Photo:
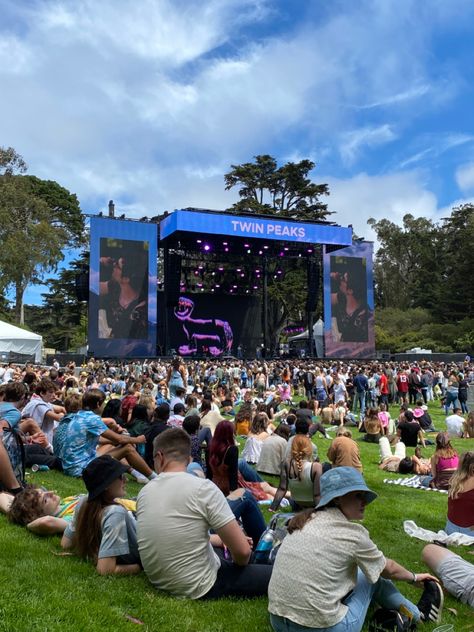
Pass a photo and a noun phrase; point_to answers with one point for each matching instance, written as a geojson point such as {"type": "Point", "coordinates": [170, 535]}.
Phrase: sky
{"type": "Point", "coordinates": [148, 103]}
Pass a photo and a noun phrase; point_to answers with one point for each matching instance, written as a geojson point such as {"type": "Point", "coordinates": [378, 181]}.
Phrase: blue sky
{"type": "Point", "coordinates": [149, 102]}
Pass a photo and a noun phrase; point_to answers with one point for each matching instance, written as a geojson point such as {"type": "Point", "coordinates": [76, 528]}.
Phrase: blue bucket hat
{"type": "Point", "coordinates": [341, 481]}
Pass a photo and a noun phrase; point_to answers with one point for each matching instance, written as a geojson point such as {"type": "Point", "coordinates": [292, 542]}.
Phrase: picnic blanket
{"type": "Point", "coordinates": [455, 539]}
{"type": "Point", "coordinates": [414, 482]}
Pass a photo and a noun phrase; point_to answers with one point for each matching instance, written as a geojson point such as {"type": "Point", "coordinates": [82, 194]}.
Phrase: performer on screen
{"type": "Point", "coordinates": [349, 301]}
{"type": "Point", "coordinates": [123, 298]}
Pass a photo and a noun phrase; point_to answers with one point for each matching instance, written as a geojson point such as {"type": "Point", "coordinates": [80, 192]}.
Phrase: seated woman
{"type": "Point", "coordinates": [299, 475]}
{"type": "Point", "coordinates": [373, 426]}
{"type": "Point", "coordinates": [388, 427]}
{"type": "Point", "coordinates": [229, 472]}
{"type": "Point", "coordinates": [328, 571]}
{"type": "Point", "coordinates": [259, 432]}
{"type": "Point", "coordinates": [443, 463]}
{"type": "Point", "coordinates": [461, 497]}
{"type": "Point", "coordinates": [102, 530]}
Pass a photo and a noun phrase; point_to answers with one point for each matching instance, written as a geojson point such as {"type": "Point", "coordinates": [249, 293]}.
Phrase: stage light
{"type": "Point", "coordinates": [224, 243]}
{"type": "Point", "coordinates": [255, 287]}
{"type": "Point", "coordinates": [217, 285]}
{"type": "Point", "coordinates": [282, 254]}
{"type": "Point", "coordinates": [286, 248]}
{"type": "Point", "coordinates": [279, 272]}
{"type": "Point", "coordinates": [260, 252]}
{"type": "Point", "coordinates": [226, 250]}
{"type": "Point", "coordinates": [246, 245]}
{"type": "Point", "coordinates": [199, 241]}
{"type": "Point", "coordinates": [249, 251]}
{"type": "Point", "coordinates": [199, 284]}
{"type": "Point", "coordinates": [221, 269]}
{"type": "Point", "coordinates": [207, 247]}
{"type": "Point", "coordinates": [265, 247]}
{"type": "Point", "coordinates": [242, 275]}
{"type": "Point", "coordinates": [310, 250]}
{"type": "Point", "coordinates": [239, 269]}
{"type": "Point", "coordinates": [235, 287]}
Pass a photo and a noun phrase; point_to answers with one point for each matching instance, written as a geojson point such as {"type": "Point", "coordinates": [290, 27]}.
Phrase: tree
{"type": "Point", "coordinates": [286, 191]}
{"type": "Point", "coordinates": [39, 219]}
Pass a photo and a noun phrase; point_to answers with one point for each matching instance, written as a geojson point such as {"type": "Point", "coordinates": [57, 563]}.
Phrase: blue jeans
{"type": "Point", "coordinates": [452, 528]}
{"type": "Point", "coordinates": [359, 400]}
{"type": "Point", "coordinates": [464, 407]}
{"type": "Point", "coordinates": [246, 508]}
{"type": "Point", "coordinates": [383, 592]}
{"type": "Point", "coordinates": [451, 398]}
{"type": "Point", "coordinates": [248, 472]}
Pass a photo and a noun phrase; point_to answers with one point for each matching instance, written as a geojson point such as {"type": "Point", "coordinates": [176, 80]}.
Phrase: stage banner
{"type": "Point", "coordinates": [122, 288]}
{"type": "Point", "coordinates": [349, 302]}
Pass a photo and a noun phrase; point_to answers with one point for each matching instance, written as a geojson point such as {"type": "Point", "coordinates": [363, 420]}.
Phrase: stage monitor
{"type": "Point", "coordinates": [122, 288]}
{"type": "Point", "coordinates": [349, 302]}
{"type": "Point", "coordinates": [208, 324]}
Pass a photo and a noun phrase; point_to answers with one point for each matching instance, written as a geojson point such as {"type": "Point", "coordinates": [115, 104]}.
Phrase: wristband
{"type": "Point", "coordinates": [414, 580]}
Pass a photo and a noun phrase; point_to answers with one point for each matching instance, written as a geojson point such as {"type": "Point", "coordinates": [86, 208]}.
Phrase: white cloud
{"type": "Point", "coordinates": [465, 177]}
{"type": "Point", "coordinates": [407, 95]}
{"type": "Point", "coordinates": [354, 141]}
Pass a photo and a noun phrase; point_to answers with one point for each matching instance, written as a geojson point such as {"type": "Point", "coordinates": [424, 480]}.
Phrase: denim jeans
{"type": "Point", "coordinates": [451, 398]}
{"type": "Point", "coordinates": [464, 407]}
{"type": "Point", "coordinates": [246, 508]}
{"type": "Point", "coordinates": [248, 472]}
{"type": "Point", "coordinates": [452, 528]}
{"type": "Point", "coordinates": [359, 402]}
{"type": "Point", "coordinates": [383, 592]}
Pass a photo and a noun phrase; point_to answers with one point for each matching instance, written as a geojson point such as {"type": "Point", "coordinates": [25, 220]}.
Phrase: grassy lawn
{"type": "Point", "coordinates": [41, 591]}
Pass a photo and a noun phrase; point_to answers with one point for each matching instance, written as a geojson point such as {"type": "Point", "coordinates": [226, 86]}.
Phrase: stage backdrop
{"type": "Point", "coordinates": [349, 302]}
{"type": "Point", "coordinates": [213, 324]}
{"type": "Point", "coordinates": [122, 288]}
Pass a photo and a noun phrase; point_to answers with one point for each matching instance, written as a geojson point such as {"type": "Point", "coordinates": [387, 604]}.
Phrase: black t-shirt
{"type": "Point", "coordinates": [156, 428]}
{"type": "Point", "coordinates": [409, 433]}
{"type": "Point", "coordinates": [425, 421]}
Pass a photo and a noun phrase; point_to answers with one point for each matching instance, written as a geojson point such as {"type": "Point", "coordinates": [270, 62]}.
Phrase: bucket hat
{"type": "Point", "coordinates": [100, 473]}
{"type": "Point", "coordinates": [341, 481]}
{"type": "Point", "coordinates": [418, 412]}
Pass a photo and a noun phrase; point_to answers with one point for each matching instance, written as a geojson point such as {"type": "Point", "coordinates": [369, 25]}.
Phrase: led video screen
{"type": "Point", "coordinates": [349, 302]}
{"type": "Point", "coordinates": [122, 298]}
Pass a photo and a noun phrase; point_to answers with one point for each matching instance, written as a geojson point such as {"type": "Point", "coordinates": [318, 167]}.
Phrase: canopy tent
{"type": "Point", "coordinates": [14, 340]}
{"type": "Point", "coordinates": [318, 337]}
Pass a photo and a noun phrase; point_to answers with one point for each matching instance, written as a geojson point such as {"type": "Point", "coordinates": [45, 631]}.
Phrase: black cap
{"type": "Point", "coordinates": [100, 473]}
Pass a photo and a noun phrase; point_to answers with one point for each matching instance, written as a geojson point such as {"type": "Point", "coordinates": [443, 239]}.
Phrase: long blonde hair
{"type": "Point", "coordinates": [301, 450]}
{"type": "Point", "coordinates": [464, 472]}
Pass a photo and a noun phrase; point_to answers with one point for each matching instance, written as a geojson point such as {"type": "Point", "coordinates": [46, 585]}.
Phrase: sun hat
{"type": "Point", "coordinates": [100, 473]}
{"type": "Point", "coordinates": [340, 481]}
{"type": "Point", "coordinates": [418, 412]}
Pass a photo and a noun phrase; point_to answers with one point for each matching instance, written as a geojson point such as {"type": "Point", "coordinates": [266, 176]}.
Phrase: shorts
{"type": "Point", "coordinates": [457, 576]}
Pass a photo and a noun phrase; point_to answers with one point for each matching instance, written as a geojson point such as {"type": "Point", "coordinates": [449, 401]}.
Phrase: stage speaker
{"type": "Point", "coordinates": [81, 284]}
{"type": "Point", "coordinates": [313, 285]}
{"type": "Point", "coordinates": [173, 279]}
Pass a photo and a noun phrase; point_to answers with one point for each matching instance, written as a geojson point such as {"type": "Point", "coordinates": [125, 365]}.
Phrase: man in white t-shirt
{"type": "Point", "coordinates": [454, 423]}
{"type": "Point", "coordinates": [175, 514]}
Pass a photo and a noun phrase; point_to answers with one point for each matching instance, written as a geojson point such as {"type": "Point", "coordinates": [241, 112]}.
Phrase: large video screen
{"type": "Point", "coordinates": [122, 300]}
{"type": "Point", "coordinates": [349, 302]}
{"type": "Point", "coordinates": [206, 324]}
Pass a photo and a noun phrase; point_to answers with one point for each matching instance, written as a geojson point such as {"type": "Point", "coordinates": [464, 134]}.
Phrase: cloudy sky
{"type": "Point", "coordinates": [149, 102]}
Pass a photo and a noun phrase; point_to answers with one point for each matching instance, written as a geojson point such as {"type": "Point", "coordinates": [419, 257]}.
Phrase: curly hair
{"type": "Point", "coordinates": [26, 506]}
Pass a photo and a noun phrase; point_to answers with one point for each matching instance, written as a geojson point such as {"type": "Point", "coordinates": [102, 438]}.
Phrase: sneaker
{"type": "Point", "coordinates": [431, 602]}
{"type": "Point", "coordinates": [390, 621]}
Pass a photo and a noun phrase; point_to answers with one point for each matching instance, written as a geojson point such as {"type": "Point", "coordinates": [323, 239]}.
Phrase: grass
{"type": "Point", "coordinates": [42, 591]}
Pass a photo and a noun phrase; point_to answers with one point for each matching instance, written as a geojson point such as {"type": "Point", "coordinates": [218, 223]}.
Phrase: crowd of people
{"type": "Point", "coordinates": [201, 436]}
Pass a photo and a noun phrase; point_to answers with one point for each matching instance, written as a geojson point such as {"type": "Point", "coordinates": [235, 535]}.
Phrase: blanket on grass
{"type": "Point", "coordinates": [414, 482]}
{"type": "Point", "coordinates": [455, 539]}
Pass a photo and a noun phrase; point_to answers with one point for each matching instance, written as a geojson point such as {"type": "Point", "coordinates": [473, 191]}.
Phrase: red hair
{"type": "Point", "coordinates": [222, 439]}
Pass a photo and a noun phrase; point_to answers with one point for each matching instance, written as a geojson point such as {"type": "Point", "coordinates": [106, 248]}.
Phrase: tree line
{"type": "Point", "coordinates": [424, 290]}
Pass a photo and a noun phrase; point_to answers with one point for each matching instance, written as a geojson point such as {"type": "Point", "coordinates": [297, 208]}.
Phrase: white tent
{"type": "Point", "coordinates": [318, 337]}
{"type": "Point", "coordinates": [16, 340]}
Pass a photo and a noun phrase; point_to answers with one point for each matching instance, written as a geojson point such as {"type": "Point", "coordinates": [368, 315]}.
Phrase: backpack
{"type": "Point", "coordinates": [13, 444]}
{"type": "Point", "coordinates": [271, 539]}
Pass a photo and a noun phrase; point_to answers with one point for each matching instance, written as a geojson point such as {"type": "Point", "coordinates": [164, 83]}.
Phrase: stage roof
{"type": "Point", "coordinates": [209, 230]}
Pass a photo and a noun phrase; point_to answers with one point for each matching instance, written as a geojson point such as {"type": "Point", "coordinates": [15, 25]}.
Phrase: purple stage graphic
{"type": "Point", "coordinates": [211, 335]}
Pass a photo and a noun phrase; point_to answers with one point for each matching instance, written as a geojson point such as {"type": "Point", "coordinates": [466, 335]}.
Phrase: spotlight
{"type": "Point", "coordinates": [224, 243]}
{"type": "Point", "coordinates": [207, 247]}
{"type": "Point", "coordinates": [265, 247]}
{"type": "Point", "coordinates": [199, 241]}
{"type": "Point", "coordinates": [246, 245]}
{"type": "Point", "coordinates": [226, 250]}
{"type": "Point", "coordinates": [249, 251]}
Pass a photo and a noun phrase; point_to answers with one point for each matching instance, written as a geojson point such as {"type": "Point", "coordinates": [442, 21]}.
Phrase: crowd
{"type": "Point", "coordinates": [197, 527]}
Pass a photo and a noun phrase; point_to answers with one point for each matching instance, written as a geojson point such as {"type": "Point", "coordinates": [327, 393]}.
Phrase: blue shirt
{"type": "Point", "coordinates": [80, 442]}
{"type": "Point", "coordinates": [361, 383]}
{"type": "Point", "coordinates": [10, 413]}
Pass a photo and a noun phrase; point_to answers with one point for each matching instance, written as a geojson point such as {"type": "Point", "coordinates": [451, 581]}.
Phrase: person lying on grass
{"type": "Point", "coordinates": [102, 530]}
{"type": "Point", "coordinates": [399, 462]}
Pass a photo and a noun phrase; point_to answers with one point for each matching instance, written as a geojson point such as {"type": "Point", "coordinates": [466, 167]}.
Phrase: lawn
{"type": "Point", "coordinates": [42, 591]}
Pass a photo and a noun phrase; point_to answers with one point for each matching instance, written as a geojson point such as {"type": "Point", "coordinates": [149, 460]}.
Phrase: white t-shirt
{"type": "Point", "coordinates": [454, 425]}
{"type": "Point", "coordinates": [316, 567]}
{"type": "Point", "coordinates": [175, 512]}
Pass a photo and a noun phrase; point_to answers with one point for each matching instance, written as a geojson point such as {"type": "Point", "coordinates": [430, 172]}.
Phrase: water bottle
{"type": "Point", "coordinates": [39, 468]}
{"type": "Point", "coordinates": [264, 546]}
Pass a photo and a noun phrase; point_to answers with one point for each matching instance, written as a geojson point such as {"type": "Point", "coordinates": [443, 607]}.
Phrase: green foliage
{"type": "Point", "coordinates": [286, 191]}
{"type": "Point", "coordinates": [39, 219]}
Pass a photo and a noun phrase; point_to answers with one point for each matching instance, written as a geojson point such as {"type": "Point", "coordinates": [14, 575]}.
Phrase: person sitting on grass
{"type": "Point", "coordinates": [175, 514]}
{"type": "Point", "coordinates": [260, 430]}
{"type": "Point", "coordinates": [409, 431]}
{"type": "Point", "coordinates": [85, 430]}
{"type": "Point", "coordinates": [273, 451]}
{"type": "Point", "coordinates": [344, 451]}
{"type": "Point", "coordinates": [443, 463]}
{"type": "Point", "coordinates": [299, 475]}
{"type": "Point", "coordinates": [328, 571]}
{"type": "Point", "coordinates": [101, 529]}
{"type": "Point", "coordinates": [388, 425]}
{"type": "Point", "coordinates": [461, 497]}
{"type": "Point", "coordinates": [373, 426]}
{"type": "Point", "coordinates": [42, 410]}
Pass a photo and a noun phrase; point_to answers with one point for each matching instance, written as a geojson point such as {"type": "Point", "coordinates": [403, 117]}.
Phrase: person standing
{"type": "Point", "coordinates": [361, 385]}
